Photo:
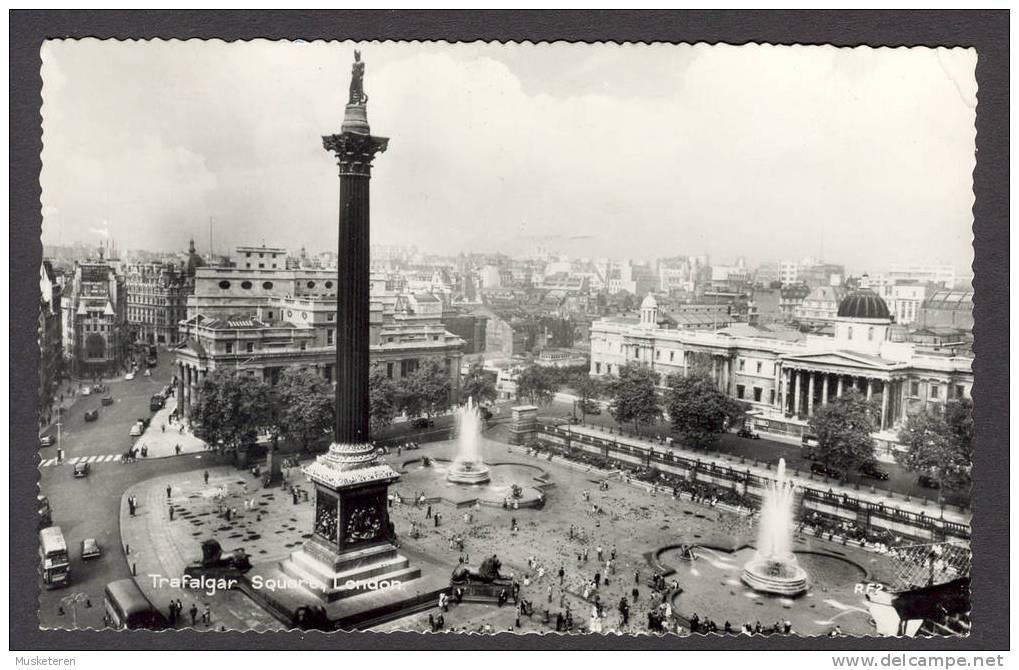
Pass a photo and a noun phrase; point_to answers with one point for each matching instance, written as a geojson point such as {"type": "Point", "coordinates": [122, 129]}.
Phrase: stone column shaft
{"type": "Point", "coordinates": [810, 393]}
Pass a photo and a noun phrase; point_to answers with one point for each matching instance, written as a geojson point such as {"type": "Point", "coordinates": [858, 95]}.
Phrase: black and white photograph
{"type": "Point", "coordinates": [629, 339]}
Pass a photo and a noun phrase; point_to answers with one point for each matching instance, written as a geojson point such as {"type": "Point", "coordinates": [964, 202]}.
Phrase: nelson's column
{"type": "Point", "coordinates": [352, 549]}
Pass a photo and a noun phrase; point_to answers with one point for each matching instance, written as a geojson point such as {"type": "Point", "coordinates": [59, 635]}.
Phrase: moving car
{"type": "Point", "coordinates": [136, 429]}
{"type": "Point", "coordinates": [90, 549]}
{"type": "Point", "coordinates": [92, 415]}
{"type": "Point", "coordinates": [156, 403]}
{"type": "Point", "coordinates": [928, 482]}
{"type": "Point", "coordinates": [107, 401]}
{"type": "Point", "coordinates": [129, 376]}
{"type": "Point", "coordinates": [47, 441]}
{"type": "Point", "coordinates": [872, 471]}
{"type": "Point", "coordinates": [81, 470]}
{"type": "Point", "coordinates": [86, 390]}
{"type": "Point", "coordinates": [127, 607]}
{"type": "Point", "coordinates": [422, 422]}
{"type": "Point", "coordinates": [825, 471]}
{"type": "Point", "coordinates": [748, 433]}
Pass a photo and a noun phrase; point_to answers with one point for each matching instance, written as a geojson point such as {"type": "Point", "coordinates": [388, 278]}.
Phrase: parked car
{"type": "Point", "coordinates": [47, 441]}
{"type": "Point", "coordinates": [92, 415]}
{"type": "Point", "coordinates": [156, 403]}
{"type": "Point", "coordinates": [129, 376]}
{"type": "Point", "coordinates": [136, 429]}
{"type": "Point", "coordinates": [422, 422]}
{"type": "Point", "coordinates": [90, 549]}
{"type": "Point", "coordinates": [107, 401]}
{"type": "Point", "coordinates": [748, 433]}
{"type": "Point", "coordinates": [81, 470]}
{"type": "Point", "coordinates": [928, 482]}
{"type": "Point", "coordinates": [825, 471]}
{"type": "Point", "coordinates": [872, 471]}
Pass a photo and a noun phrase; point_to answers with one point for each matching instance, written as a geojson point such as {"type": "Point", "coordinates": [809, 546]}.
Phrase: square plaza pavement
{"type": "Point", "coordinates": [632, 522]}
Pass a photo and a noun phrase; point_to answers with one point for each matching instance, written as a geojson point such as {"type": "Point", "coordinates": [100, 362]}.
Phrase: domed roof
{"type": "Point", "coordinates": [863, 304]}
{"type": "Point", "coordinates": [649, 302]}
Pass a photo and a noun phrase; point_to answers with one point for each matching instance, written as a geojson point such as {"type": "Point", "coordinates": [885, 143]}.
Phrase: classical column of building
{"type": "Point", "coordinates": [824, 389]}
{"type": "Point", "coordinates": [810, 393]}
{"type": "Point", "coordinates": [797, 375]}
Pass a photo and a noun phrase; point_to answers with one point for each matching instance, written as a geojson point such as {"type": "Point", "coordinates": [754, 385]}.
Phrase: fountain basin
{"type": "Point", "coordinates": [782, 578]}
{"type": "Point", "coordinates": [469, 473]}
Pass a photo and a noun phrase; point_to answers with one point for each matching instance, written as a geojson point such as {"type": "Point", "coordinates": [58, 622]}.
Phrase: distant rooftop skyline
{"type": "Point", "coordinates": [859, 156]}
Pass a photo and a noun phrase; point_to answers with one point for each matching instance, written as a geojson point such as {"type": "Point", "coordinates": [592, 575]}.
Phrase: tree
{"type": "Point", "coordinates": [537, 385]}
{"type": "Point", "coordinates": [231, 409]}
{"type": "Point", "coordinates": [939, 444]}
{"type": "Point", "coordinates": [425, 391]}
{"type": "Point", "coordinates": [382, 398]}
{"type": "Point", "coordinates": [306, 409]}
{"type": "Point", "coordinates": [843, 428]}
{"type": "Point", "coordinates": [634, 395]}
{"type": "Point", "coordinates": [699, 411]}
{"type": "Point", "coordinates": [588, 389]}
{"type": "Point", "coordinates": [479, 385]}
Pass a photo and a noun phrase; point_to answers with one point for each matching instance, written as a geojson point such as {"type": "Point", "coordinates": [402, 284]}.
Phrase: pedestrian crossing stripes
{"type": "Point", "coordinates": [106, 458]}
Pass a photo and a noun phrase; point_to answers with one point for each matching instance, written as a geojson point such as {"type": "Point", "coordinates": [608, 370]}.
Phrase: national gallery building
{"type": "Point", "coordinates": [785, 375]}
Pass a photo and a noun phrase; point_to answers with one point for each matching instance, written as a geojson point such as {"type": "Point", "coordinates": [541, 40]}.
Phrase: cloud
{"type": "Point", "coordinates": [768, 152]}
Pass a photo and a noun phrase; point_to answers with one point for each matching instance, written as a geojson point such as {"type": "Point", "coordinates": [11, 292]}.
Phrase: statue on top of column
{"type": "Point", "coordinates": [357, 94]}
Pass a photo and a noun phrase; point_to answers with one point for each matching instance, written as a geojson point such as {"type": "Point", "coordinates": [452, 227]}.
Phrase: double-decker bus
{"type": "Point", "coordinates": [56, 563]}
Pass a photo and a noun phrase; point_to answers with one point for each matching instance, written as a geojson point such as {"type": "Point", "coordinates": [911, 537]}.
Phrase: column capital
{"type": "Point", "coordinates": [355, 152]}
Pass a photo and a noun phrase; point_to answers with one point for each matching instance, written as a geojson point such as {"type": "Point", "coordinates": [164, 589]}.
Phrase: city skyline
{"type": "Point", "coordinates": [146, 171]}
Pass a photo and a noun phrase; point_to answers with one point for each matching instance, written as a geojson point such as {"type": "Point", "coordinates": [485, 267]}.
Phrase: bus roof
{"type": "Point", "coordinates": [128, 596]}
{"type": "Point", "coordinates": [52, 539]}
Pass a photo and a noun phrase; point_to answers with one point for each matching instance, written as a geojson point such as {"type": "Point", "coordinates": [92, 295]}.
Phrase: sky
{"type": "Point", "coordinates": [858, 156]}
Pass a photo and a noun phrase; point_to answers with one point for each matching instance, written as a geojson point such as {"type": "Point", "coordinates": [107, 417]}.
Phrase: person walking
{"type": "Point", "coordinates": [194, 614]}
{"type": "Point", "coordinates": [205, 476]}
{"type": "Point", "coordinates": [168, 491]}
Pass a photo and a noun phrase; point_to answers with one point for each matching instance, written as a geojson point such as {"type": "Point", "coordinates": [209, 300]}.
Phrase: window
{"type": "Point", "coordinates": [224, 284]}
{"type": "Point", "coordinates": [742, 364]}
{"type": "Point", "coordinates": [330, 316]}
{"type": "Point", "coordinates": [261, 255]}
{"type": "Point", "coordinates": [329, 284]}
{"type": "Point", "coordinates": [914, 389]}
{"type": "Point", "coordinates": [304, 345]}
{"type": "Point", "coordinates": [935, 389]}
{"type": "Point", "coordinates": [672, 356]}
{"type": "Point", "coordinates": [267, 285]}
{"type": "Point", "coordinates": [658, 354]}
{"type": "Point", "coordinates": [597, 368]}
{"type": "Point", "coordinates": [870, 334]}
{"type": "Point", "coordinates": [247, 254]}
{"type": "Point", "coordinates": [960, 391]}
{"type": "Point", "coordinates": [389, 370]}
{"type": "Point", "coordinates": [261, 265]}
{"type": "Point", "coordinates": [246, 285]}
{"type": "Point", "coordinates": [740, 391]}
{"type": "Point", "coordinates": [247, 266]}
{"type": "Point", "coordinates": [329, 336]}
{"type": "Point", "coordinates": [849, 332]}
{"type": "Point", "coordinates": [435, 338]}
{"type": "Point", "coordinates": [758, 367]}
{"type": "Point", "coordinates": [250, 347]}
{"type": "Point", "coordinates": [771, 396]}
{"type": "Point", "coordinates": [270, 315]}
{"type": "Point", "coordinates": [311, 284]}
{"type": "Point", "coordinates": [758, 393]}
{"type": "Point", "coordinates": [229, 347]}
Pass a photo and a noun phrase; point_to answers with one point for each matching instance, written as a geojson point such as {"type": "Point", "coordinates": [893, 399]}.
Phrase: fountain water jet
{"type": "Point", "coordinates": [468, 466]}
{"type": "Point", "coordinates": [774, 569]}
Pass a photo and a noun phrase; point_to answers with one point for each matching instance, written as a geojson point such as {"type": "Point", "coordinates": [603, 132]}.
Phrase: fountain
{"type": "Point", "coordinates": [468, 468]}
{"type": "Point", "coordinates": [774, 569]}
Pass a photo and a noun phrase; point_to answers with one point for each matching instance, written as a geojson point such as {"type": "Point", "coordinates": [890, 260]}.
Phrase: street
{"type": "Point", "coordinates": [89, 507]}
{"type": "Point", "coordinates": [109, 433]}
